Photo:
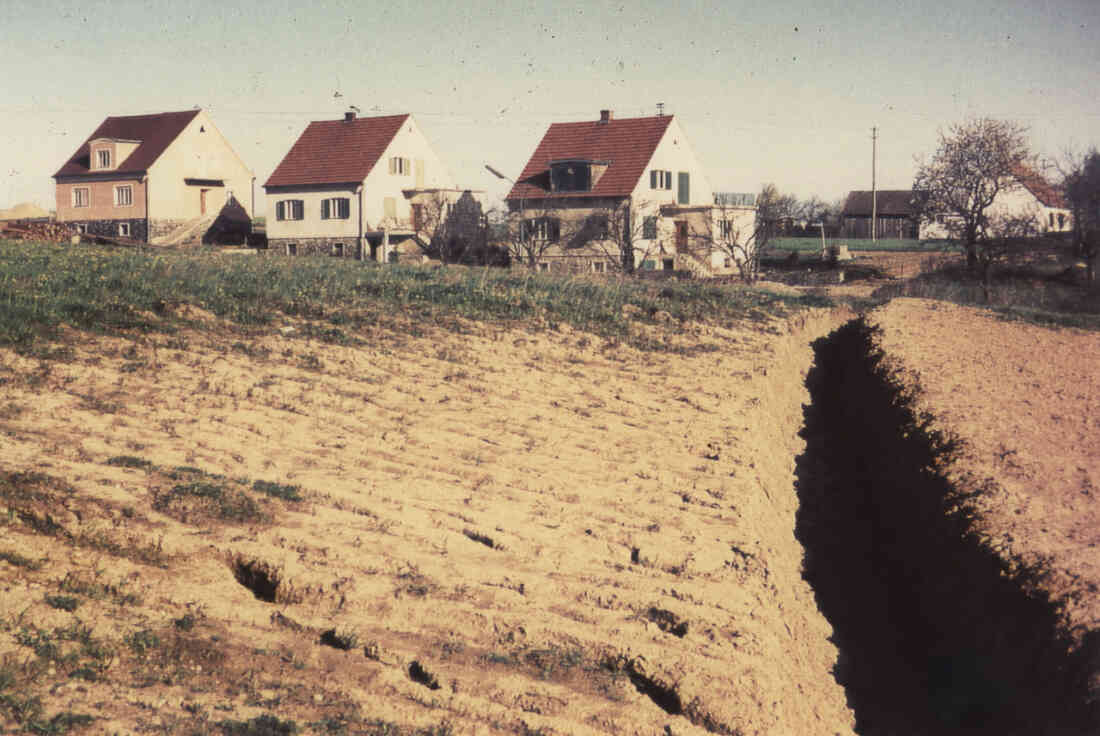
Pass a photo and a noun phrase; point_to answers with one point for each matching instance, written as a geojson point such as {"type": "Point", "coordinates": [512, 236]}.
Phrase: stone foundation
{"type": "Point", "coordinates": [331, 247]}
{"type": "Point", "coordinates": [109, 228]}
{"type": "Point", "coordinates": [160, 228]}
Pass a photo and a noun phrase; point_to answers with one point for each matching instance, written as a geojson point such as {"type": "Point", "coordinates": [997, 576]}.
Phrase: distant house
{"type": "Point", "coordinates": [894, 209]}
{"type": "Point", "coordinates": [1029, 194]}
{"type": "Point", "coordinates": [157, 178]}
{"type": "Point", "coordinates": [591, 185]}
{"type": "Point", "coordinates": [363, 188]}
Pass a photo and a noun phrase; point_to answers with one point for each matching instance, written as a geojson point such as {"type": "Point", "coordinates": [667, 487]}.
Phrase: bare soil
{"type": "Point", "coordinates": [490, 532]}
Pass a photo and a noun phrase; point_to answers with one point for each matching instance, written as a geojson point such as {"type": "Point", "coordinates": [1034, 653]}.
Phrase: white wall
{"type": "Point", "coordinates": [674, 154]}
{"type": "Point", "coordinates": [199, 152]}
{"type": "Point", "coordinates": [410, 143]}
{"type": "Point", "coordinates": [311, 225]}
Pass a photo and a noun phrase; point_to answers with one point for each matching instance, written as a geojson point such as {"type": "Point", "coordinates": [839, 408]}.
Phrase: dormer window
{"type": "Point", "coordinates": [103, 158]}
{"type": "Point", "coordinates": [575, 175]}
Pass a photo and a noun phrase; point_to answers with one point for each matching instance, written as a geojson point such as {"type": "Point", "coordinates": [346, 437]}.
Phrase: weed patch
{"type": "Point", "coordinates": [17, 560]}
{"type": "Point", "coordinates": [265, 725]}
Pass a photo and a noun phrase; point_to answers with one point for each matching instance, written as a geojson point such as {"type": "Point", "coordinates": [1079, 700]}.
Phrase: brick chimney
{"type": "Point", "coordinates": [605, 116]}
{"type": "Point", "coordinates": [349, 116]}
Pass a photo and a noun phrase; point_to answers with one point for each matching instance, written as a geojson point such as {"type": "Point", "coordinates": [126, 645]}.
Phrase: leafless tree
{"type": "Point", "coordinates": [530, 233]}
{"type": "Point", "coordinates": [1081, 183]}
{"type": "Point", "coordinates": [744, 243]}
{"type": "Point", "coordinates": [975, 161]}
{"type": "Point", "coordinates": [618, 233]}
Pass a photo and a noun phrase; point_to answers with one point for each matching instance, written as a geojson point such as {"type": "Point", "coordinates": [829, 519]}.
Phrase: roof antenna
{"type": "Point", "coordinates": [660, 109]}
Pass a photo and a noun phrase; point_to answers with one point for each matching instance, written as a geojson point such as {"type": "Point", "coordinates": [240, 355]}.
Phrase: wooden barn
{"type": "Point", "coordinates": [895, 214]}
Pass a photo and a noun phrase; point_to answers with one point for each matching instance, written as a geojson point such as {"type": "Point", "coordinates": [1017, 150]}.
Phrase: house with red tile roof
{"type": "Point", "coordinates": [164, 177]}
{"type": "Point", "coordinates": [363, 188]}
{"type": "Point", "coordinates": [616, 194]}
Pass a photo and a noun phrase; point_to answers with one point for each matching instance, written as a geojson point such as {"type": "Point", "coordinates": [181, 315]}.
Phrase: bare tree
{"type": "Point", "coordinates": [745, 243]}
{"type": "Point", "coordinates": [530, 233]}
{"type": "Point", "coordinates": [453, 230]}
{"type": "Point", "coordinates": [1082, 187]}
{"type": "Point", "coordinates": [975, 161]}
{"type": "Point", "coordinates": [618, 233]}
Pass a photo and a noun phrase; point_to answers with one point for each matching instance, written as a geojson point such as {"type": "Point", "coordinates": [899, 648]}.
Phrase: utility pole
{"type": "Point", "coordinates": [874, 191]}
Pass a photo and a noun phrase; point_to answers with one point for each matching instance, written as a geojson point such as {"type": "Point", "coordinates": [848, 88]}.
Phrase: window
{"type": "Point", "coordinates": [400, 165]}
{"type": "Point", "coordinates": [338, 250]}
{"type": "Point", "coordinates": [571, 176]}
{"type": "Point", "coordinates": [81, 196]}
{"type": "Point", "coordinates": [669, 264]}
{"type": "Point", "coordinates": [336, 208]}
{"type": "Point", "coordinates": [659, 179]}
{"type": "Point", "coordinates": [542, 228]}
{"type": "Point", "coordinates": [289, 209]}
{"type": "Point", "coordinates": [725, 228]}
{"type": "Point", "coordinates": [124, 195]}
{"type": "Point", "coordinates": [124, 229]}
{"type": "Point", "coordinates": [1051, 220]}
{"type": "Point", "coordinates": [292, 249]}
{"type": "Point", "coordinates": [82, 227]}
{"type": "Point", "coordinates": [597, 227]}
{"type": "Point", "coordinates": [649, 265]}
{"type": "Point", "coordinates": [683, 194]}
{"type": "Point", "coordinates": [599, 267]}
{"type": "Point", "coordinates": [103, 158]}
{"type": "Point", "coordinates": [649, 228]}
{"type": "Point", "coordinates": [544, 266]}
{"type": "Point", "coordinates": [1061, 220]}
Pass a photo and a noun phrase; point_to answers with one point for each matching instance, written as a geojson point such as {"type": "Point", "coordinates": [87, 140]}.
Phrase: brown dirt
{"type": "Point", "coordinates": [1024, 399]}
{"type": "Point", "coordinates": [511, 532]}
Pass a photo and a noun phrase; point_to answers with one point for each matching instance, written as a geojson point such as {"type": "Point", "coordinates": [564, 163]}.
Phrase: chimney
{"type": "Point", "coordinates": [349, 116]}
{"type": "Point", "coordinates": [605, 116]}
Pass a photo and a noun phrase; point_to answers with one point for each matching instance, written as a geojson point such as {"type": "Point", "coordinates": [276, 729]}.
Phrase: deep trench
{"type": "Point", "coordinates": [936, 633]}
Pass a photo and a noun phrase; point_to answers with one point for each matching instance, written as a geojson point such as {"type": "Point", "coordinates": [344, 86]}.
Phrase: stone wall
{"type": "Point", "coordinates": [109, 228]}
{"type": "Point", "coordinates": [332, 247]}
{"type": "Point", "coordinates": [160, 228]}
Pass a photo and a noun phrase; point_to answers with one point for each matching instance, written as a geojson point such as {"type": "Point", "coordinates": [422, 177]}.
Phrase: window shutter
{"type": "Point", "coordinates": [684, 193]}
{"type": "Point", "coordinates": [555, 230]}
{"type": "Point", "coordinates": [279, 210]}
{"type": "Point", "coordinates": [653, 179]}
{"type": "Point", "coordinates": [325, 209]}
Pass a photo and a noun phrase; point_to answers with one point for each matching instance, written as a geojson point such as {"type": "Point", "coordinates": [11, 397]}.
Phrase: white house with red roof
{"type": "Point", "coordinates": [599, 193]}
{"type": "Point", "coordinates": [1027, 194]}
{"type": "Point", "coordinates": [356, 188]}
{"type": "Point", "coordinates": [162, 177]}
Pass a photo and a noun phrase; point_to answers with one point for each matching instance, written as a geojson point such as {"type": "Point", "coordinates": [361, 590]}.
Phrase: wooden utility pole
{"type": "Point", "coordinates": [874, 192]}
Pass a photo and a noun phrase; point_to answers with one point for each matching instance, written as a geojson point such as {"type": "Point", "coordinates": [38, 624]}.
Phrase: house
{"type": "Point", "coordinates": [895, 213]}
{"type": "Point", "coordinates": [158, 178]}
{"type": "Point", "coordinates": [362, 188]}
{"type": "Point", "coordinates": [596, 193]}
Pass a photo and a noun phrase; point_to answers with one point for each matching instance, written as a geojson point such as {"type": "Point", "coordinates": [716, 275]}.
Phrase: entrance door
{"type": "Point", "coordinates": [681, 235]}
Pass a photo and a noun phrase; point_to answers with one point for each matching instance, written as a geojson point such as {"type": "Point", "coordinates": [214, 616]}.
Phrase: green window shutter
{"type": "Point", "coordinates": [668, 180]}
{"type": "Point", "coordinates": [324, 209]}
{"type": "Point", "coordinates": [683, 196]}
{"type": "Point", "coordinates": [280, 210]}
{"type": "Point", "coordinates": [653, 179]}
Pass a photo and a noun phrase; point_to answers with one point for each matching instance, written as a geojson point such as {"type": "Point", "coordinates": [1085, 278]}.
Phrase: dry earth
{"type": "Point", "coordinates": [499, 532]}
{"type": "Point", "coordinates": [1026, 401]}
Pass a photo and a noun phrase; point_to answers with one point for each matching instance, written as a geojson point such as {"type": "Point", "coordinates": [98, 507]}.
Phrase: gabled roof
{"type": "Point", "coordinates": [1048, 194]}
{"type": "Point", "coordinates": [626, 145]}
{"type": "Point", "coordinates": [888, 203]}
{"type": "Point", "coordinates": [156, 132]}
{"type": "Point", "coordinates": [336, 151]}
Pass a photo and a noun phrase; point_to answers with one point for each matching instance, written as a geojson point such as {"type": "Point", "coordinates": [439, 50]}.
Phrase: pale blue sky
{"type": "Point", "coordinates": [786, 93]}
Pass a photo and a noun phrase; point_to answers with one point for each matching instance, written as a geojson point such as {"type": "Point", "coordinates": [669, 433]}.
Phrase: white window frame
{"type": "Point", "coordinates": [725, 228]}
{"type": "Point", "coordinates": [124, 195]}
{"type": "Point", "coordinates": [660, 179]}
{"type": "Point", "coordinates": [292, 249]}
{"type": "Point", "coordinates": [103, 158]}
{"type": "Point", "coordinates": [124, 229]}
{"type": "Point", "coordinates": [82, 228]}
{"type": "Point", "coordinates": [399, 165]}
{"type": "Point", "coordinates": [286, 209]}
{"type": "Point", "coordinates": [599, 267]}
{"type": "Point", "coordinates": [336, 208]}
{"type": "Point", "coordinates": [82, 200]}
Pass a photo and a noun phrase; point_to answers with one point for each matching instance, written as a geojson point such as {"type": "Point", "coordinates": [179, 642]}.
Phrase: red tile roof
{"type": "Point", "coordinates": [626, 144]}
{"type": "Point", "coordinates": [156, 132]}
{"type": "Point", "coordinates": [336, 151]}
{"type": "Point", "coordinates": [1044, 191]}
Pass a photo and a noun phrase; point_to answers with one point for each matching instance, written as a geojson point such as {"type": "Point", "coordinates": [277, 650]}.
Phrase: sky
{"type": "Point", "coordinates": [780, 92]}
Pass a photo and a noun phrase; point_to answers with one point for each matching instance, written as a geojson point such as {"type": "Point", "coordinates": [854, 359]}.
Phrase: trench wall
{"type": "Point", "coordinates": [936, 632]}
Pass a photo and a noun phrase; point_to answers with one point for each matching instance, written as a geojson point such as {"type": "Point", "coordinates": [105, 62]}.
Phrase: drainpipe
{"type": "Point", "coordinates": [362, 245]}
{"type": "Point", "coordinates": [148, 226]}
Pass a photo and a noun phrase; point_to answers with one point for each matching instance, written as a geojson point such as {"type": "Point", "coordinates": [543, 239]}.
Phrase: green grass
{"type": "Point", "coordinates": [805, 245]}
{"type": "Point", "coordinates": [43, 286]}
